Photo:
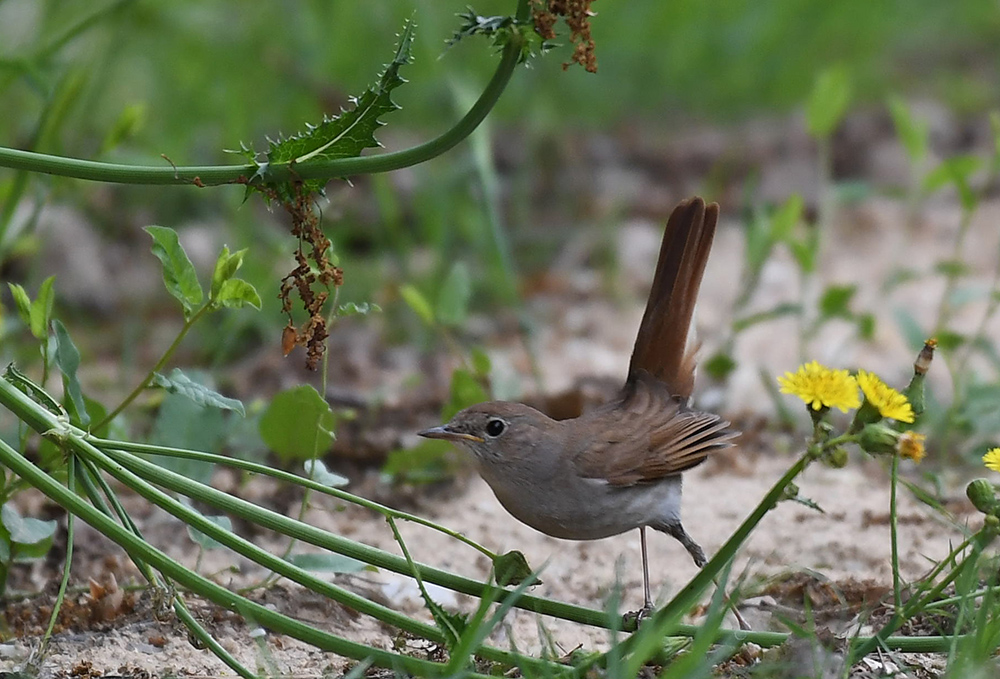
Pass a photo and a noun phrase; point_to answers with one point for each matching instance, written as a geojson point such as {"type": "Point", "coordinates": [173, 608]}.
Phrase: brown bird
{"type": "Point", "coordinates": [619, 466]}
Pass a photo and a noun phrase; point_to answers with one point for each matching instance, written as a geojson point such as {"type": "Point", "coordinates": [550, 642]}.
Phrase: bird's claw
{"type": "Point", "coordinates": [632, 620]}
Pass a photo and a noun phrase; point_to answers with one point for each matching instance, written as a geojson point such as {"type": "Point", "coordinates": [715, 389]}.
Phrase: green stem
{"type": "Point", "coordinates": [67, 561]}
{"type": "Point", "coordinates": [146, 553]}
{"type": "Point", "coordinates": [119, 467]}
{"type": "Point", "coordinates": [139, 388]}
{"type": "Point", "coordinates": [288, 477]}
{"type": "Point", "coordinates": [897, 592]}
{"type": "Point", "coordinates": [211, 175]}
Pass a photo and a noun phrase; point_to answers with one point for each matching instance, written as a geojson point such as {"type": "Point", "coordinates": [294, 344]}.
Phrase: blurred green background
{"type": "Point", "coordinates": [190, 79]}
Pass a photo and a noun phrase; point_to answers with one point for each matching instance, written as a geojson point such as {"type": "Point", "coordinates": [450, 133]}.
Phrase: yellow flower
{"type": "Point", "coordinates": [888, 401]}
{"type": "Point", "coordinates": [911, 445]}
{"type": "Point", "coordinates": [820, 387]}
{"type": "Point", "coordinates": [992, 459]}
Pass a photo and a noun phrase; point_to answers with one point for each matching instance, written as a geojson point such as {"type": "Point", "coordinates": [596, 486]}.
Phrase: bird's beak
{"type": "Point", "coordinates": [443, 432]}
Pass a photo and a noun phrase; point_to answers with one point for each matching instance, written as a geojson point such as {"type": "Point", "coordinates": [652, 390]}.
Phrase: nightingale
{"type": "Point", "coordinates": [617, 467]}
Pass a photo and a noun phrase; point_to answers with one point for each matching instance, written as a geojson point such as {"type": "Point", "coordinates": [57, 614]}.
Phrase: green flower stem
{"type": "Point", "coordinates": [139, 388]}
{"type": "Point", "coordinates": [144, 552]}
{"type": "Point", "coordinates": [118, 466]}
{"type": "Point", "coordinates": [863, 646]}
{"type": "Point", "coordinates": [211, 175]}
{"type": "Point", "coordinates": [288, 477]}
{"type": "Point", "coordinates": [897, 591]}
{"type": "Point", "coordinates": [646, 644]}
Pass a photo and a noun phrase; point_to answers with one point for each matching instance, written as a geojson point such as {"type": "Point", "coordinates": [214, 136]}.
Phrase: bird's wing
{"type": "Point", "coordinates": [645, 436]}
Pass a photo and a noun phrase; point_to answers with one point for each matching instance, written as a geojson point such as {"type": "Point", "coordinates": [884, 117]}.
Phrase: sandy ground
{"type": "Point", "coordinates": [847, 542]}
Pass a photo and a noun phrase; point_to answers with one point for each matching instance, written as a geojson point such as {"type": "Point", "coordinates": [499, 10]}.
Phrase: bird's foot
{"type": "Point", "coordinates": [632, 620]}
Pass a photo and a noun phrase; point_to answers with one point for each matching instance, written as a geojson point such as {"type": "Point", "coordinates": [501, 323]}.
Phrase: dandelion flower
{"type": "Point", "coordinates": [911, 445]}
{"type": "Point", "coordinates": [821, 387]}
{"type": "Point", "coordinates": [889, 402]}
{"type": "Point", "coordinates": [992, 459]}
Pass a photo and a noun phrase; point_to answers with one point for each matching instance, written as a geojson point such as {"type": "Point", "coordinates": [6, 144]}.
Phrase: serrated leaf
{"type": "Point", "coordinates": [317, 471]}
{"type": "Point", "coordinates": [346, 135]}
{"type": "Point", "coordinates": [453, 300]}
{"type": "Point", "coordinates": [179, 275]}
{"type": "Point", "coordinates": [41, 308]}
{"type": "Point", "coordinates": [328, 562]}
{"type": "Point", "coordinates": [179, 383]}
{"type": "Point", "coordinates": [828, 102]}
{"type": "Point", "coordinates": [22, 302]}
{"type": "Point", "coordinates": [511, 568]}
{"type": "Point", "coordinates": [418, 303]}
{"type": "Point", "coordinates": [226, 267]}
{"type": "Point", "coordinates": [68, 362]}
{"type": "Point", "coordinates": [298, 424]}
{"type": "Point", "coordinates": [206, 542]}
{"type": "Point", "coordinates": [237, 293]}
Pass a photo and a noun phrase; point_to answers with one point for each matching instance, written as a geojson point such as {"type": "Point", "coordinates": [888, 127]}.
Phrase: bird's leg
{"type": "Point", "coordinates": [696, 552]}
{"type": "Point", "coordinates": [631, 621]}
{"type": "Point", "coordinates": [676, 530]}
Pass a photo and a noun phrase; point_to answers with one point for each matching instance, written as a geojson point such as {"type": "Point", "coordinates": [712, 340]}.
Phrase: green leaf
{"type": "Point", "coordinates": [226, 267]}
{"type": "Point", "coordinates": [481, 363]}
{"type": "Point", "coordinates": [719, 366]}
{"type": "Point", "coordinates": [427, 462]}
{"type": "Point", "coordinates": [298, 424]}
{"type": "Point", "coordinates": [866, 326]}
{"type": "Point", "coordinates": [785, 218]}
{"type": "Point", "coordinates": [836, 301]}
{"type": "Point", "coordinates": [466, 390]}
{"type": "Point", "coordinates": [418, 303]}
{"type": "Point", "coordinates": [995, 129]}
{"type": "Point", "coordinates": [23, 303]}
{"type": "Point", "coordinates": [909, 327]}
{"type": "Point", "coordinates": [328, 562]}
{"type": "Point", "coordinates": [783, 309]}
{"type": "Point", "coordinates": [182, 423]}
{"type": "Point", "coordinates": [956, 171]}
{"type": "Point", "coordinates": [317, 471]}
{"type": "Point", "coordinates": [347, 135]}
{"type": "Point", "coordinates": [236, 293]}
{"type": "Point", "coordinates": [805, 252]}
{"type": "Point", "coordinates": [130, 121]}
{"type": "Point", "coordinates": [912, 133]}
{"type": "Point", "coordinates": [41, 308]}
{"type": "Point", "coordinates": [828, 102]}
{"type": "Point", "coordinates": [179, 383]}
{"type": "Point", "coordinates": [453, 300]}
{"type": "Point", "coordinates": [354, 309]}
{"type": "Point", "coordinates": [204, 541]}
{"type": "Point", "coordinates": [30, 538]}
{"type": "Point", "coordinates": [512, 568]}
{"type": "Point", "coordinates": [68, 361]}
{"type": "Point", "coordinates": [179, 275]}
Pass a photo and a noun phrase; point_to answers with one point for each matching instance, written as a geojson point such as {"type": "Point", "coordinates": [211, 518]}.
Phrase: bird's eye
{"type": "Point", "coordinates": [495, 427]}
